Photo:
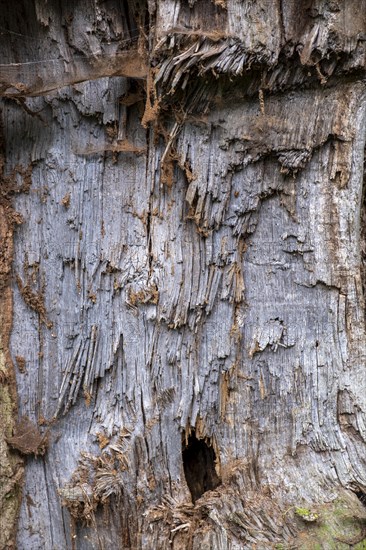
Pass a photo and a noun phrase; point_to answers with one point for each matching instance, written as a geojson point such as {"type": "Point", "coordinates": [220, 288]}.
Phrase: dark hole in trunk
{"type": "Point", "coordinates": [361, 495]}
{"type": "Point", "coordinates": [199, 466]}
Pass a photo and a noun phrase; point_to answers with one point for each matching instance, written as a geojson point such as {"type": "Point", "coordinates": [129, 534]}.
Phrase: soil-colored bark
{"type": "Point", "coordinates": [11, 466]}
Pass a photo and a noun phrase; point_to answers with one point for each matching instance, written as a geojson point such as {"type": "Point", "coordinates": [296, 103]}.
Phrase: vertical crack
{"type": "Point", "coordinates": [150, 203]}
{"type": "Point", "coordinates": [363, 234]}
{"type": "Point", "coordinates": [148, 236]}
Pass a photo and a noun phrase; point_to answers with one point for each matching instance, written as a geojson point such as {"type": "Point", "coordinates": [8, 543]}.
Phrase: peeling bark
{"type": "Point", "coordinates": [188, 277]}
{"type": "Point", "coordinates": [11, 472]}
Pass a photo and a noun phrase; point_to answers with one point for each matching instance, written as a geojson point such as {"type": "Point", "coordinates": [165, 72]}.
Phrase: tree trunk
{"type": "Point", "coordinates": [182, 274]}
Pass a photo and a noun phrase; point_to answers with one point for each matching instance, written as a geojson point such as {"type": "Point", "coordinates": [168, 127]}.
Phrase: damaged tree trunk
{"type": "Point", "coordinates": [182, 274]}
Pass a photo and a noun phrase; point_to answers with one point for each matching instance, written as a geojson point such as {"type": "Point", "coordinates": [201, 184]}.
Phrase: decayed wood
{"type": "Point", "coordinates": [41, 77]}
{"type": "Point", "coordinates": [11, 467]}
{"type": "Point", "coordinates": [189, 263]}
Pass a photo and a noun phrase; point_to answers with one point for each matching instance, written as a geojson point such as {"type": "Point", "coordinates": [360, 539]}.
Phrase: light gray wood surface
{"type": "Point", "coordinates": [227, 299]}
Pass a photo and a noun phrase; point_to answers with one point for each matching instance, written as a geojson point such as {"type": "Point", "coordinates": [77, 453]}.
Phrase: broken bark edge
{"type": "Point", "coordinates": [27, 439]}
{"type": "Point", "coordinates": [336, 525]}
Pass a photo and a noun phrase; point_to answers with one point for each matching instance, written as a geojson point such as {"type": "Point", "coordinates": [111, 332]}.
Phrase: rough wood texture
{"type": "Point", "coordinates": [11, 467]}
{"type": "Point", "coordinates": [190, 258]}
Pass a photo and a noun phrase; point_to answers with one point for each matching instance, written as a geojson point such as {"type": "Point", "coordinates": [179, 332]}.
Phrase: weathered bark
{"type": "Point", "coordinates": [187, 277]}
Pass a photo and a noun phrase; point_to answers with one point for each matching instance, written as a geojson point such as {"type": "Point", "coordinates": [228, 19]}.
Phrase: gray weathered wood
{"type": "Point", "coordinates": [196, 266]}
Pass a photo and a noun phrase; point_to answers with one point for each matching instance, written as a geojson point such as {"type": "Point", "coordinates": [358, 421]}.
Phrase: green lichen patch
{"type": "Point", "coordinates": [11, 470]}
{"type": "Point", "coordinates": [340, 525]}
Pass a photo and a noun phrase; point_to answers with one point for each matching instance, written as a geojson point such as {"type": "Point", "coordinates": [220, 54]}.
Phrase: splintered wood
{"type": "Point", "coordinates": [184, 274]}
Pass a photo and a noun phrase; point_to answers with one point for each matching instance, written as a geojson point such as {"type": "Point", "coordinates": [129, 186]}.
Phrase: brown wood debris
{"type": "Point", "coordinates": [35, 300]}
{"type": "Point", "coordinates": [27, 439]}
{"type": "Point", "coordinates": [42, 77]}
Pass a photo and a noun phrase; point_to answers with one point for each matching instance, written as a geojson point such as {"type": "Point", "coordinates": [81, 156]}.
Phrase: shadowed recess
{"type": "Point", "coordinates": [199, 466]}
{"type": "Point", "coordinates": [361, 495]}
